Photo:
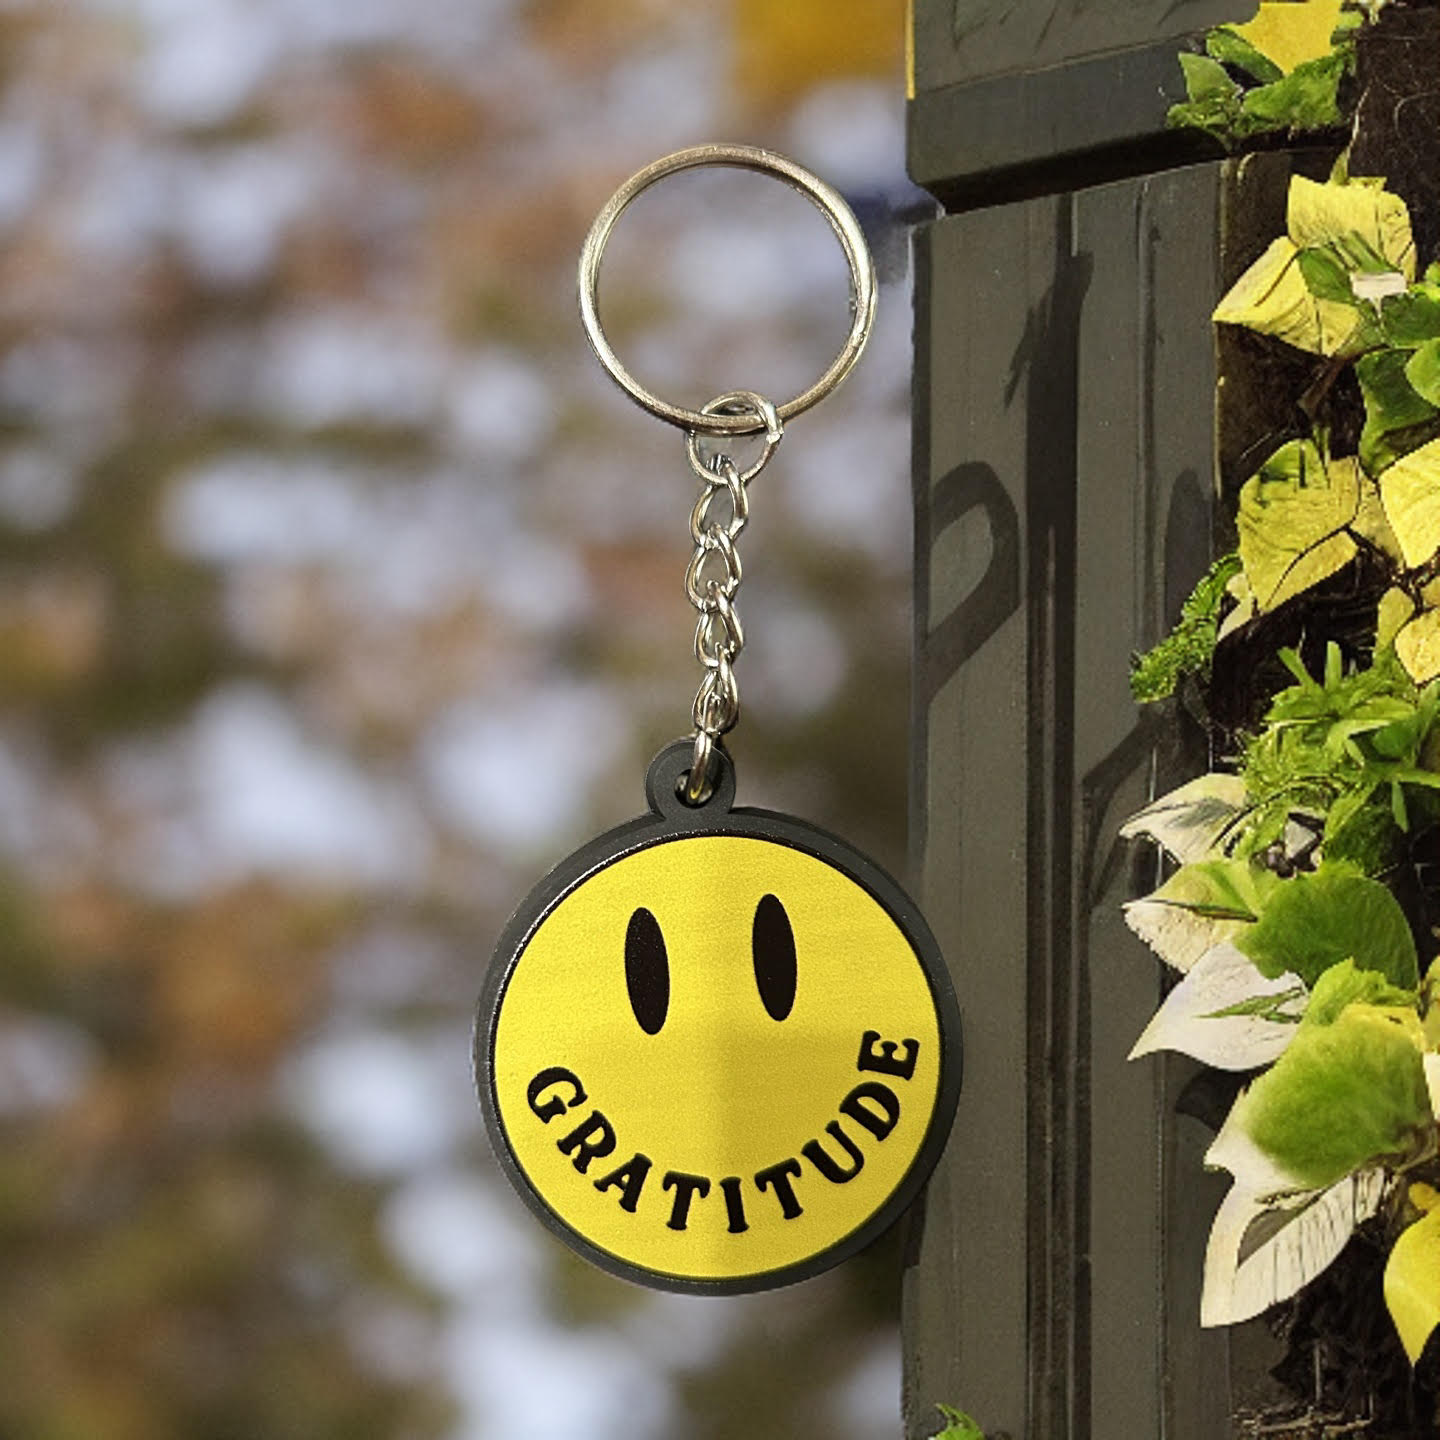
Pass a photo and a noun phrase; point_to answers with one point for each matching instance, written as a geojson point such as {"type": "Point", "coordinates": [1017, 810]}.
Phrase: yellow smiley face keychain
{"type": "Point", "coordinates": [718, 1050]}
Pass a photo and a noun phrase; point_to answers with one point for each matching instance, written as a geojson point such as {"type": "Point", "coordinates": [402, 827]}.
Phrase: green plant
{"type": "Point", "coordinates": [1340, 284]}
{"type": "Point", "coordinates": [959, 1426]}
{"type": "Point", "coordinates": [1298, 914]}
{"type": "Point", "coordinates": [1187, 649]}
{"type": "Point", "coordinates": [1241, 86]}
{"type": "Point", "coordinates": [1348, 751]}
{"type": "Point", "coordinates": [1300, 965]}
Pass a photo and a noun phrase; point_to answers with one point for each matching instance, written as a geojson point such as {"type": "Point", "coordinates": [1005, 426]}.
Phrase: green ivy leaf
{"type": "Point", "coordinates": [1314, 921]}
{"type": "Point", "coordinates": [1411, 319]}
{"type": "Point", "coordinates": [1206, 80]}
{"type": "Point", "coordinates": [1357, 831]}
{"type": "Point", "coordinates": [1398, 418]}
{"type": "Point", "coordinates": [1325, 277]}
{"type": "Point", "coordinates": [1220, 889]}
{"type": "Point", "coordinates": [959, 1425]}
{"type": "Point", "coordinates": [1422, 370]}
{"type": "Point", "coordinates": [1230, 48]}
{"type": "Point", "coordinates": [1347, 984]}
{"type": "Point", "coordinates": [1305, 99]}
{"type": "Point", "coordinates": [1342, 1095]}
{"type": "Point", "coordinates": [1215, 117]}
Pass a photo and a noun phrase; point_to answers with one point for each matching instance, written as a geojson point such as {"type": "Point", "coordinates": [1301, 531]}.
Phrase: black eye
{"type": "Point", "coordinates": [773, 945]}
{"type": "Point", "coordinates": [647, 971]}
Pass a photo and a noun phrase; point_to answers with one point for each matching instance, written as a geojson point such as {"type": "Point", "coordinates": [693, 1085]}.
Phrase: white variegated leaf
{"type": "Point", "coordinates": [1188, 821]}
{"type": "Point", "coordinates": [1221, 978]}
{"type": "Point", "coordinates": [1177, 935]}
{"type": "Point", "coordinates": [1262, 1252]}
{"type": "Point", "coordinates": [1244, 611]}
{"type": "Point", "coordinates": [1432, 1080]}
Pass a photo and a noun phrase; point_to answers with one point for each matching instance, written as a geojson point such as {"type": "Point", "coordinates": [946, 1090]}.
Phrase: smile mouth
{"type": "Point", "coordinates": [872, 1108]}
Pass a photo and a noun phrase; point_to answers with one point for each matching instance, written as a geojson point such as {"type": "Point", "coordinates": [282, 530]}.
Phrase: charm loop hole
{"type": "Point", "coordinates": [669, 776]}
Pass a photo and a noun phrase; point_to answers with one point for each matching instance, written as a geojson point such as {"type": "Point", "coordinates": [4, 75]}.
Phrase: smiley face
{"type": "Point", "coordinates": [718, 1061]}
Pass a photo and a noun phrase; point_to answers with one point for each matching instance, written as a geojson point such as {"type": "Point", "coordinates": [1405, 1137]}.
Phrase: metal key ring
{"type": "Point", "coordinates": [841, 220]}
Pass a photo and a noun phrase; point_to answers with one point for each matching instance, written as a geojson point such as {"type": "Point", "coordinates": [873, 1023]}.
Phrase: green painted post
{"type": "Point", "coordinates": [1063, 460]}
{"type": "Point", "coordinates": [1068, 447]}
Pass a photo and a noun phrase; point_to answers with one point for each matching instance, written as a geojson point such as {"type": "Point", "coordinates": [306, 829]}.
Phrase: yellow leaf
{"type": "Point", "coordinates": [1272, 298]}
{"type": "Point", "coordinates": [1318, 214]}
{"type": "Point", "coordinates": [1373, 524]}
{"type": "Point", "coordinates": [1292, 522]}
{"type": "Point", "coordinates": [1288, 32]}
{"type": "Point", "coordinates": [1317, 564]}
{"type": "Point", "coordinates": [1412, 1283]}
{"type": "Point", "coordinates": [1410, 490]}
{"type": "Point", "coordinates": [1418, 646]}
{"type": "Point", "coordinates": [1396, 607]}
{"type": "Point", "coordinates": [1327, 213]}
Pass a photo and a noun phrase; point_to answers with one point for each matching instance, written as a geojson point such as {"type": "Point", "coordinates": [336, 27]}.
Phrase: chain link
{"type": "Point", "coordinates": [712, 579]}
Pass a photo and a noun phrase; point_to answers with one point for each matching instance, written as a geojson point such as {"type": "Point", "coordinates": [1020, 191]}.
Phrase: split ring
{"type": "Point", "coordinates": [838, 215]}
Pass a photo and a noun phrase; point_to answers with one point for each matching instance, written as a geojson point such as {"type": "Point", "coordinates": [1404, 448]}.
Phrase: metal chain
{"type": "Point", "coordinates": [712, 579]}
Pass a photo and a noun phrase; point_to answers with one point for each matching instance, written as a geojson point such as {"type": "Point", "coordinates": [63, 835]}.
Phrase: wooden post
{"type": "Point", "coordinates": [1068, 449]}
{"type": "Point", "coordinates": [1064, 391]}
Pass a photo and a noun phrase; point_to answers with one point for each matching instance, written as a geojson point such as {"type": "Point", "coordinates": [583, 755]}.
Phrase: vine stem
{"type": "Point", "coordinates": [1323, 383]}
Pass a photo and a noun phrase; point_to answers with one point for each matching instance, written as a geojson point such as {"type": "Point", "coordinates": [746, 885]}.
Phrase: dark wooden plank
{"type": "Point", "coordinates": [996, 139]}
{"type": "Point", "coordinates": [972, 1240]}
{"type": "Point", "coordinates": [1143, 480]}
{"type": "Point", "coordinates": [1063, 462]}
{"type": "Point", "coordinates": [962, 40]}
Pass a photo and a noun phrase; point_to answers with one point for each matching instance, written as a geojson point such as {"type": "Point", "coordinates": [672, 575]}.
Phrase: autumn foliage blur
{"type": "Point", "coordinates": [339, 596]}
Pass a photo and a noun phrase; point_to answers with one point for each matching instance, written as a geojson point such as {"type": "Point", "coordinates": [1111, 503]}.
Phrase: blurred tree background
{"type": "Point", "coordinates": [339, 597]}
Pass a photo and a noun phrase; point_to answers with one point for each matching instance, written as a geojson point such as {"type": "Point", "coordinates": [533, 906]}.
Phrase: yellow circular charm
{"type": "Point", "coordinates": [718, 1050]}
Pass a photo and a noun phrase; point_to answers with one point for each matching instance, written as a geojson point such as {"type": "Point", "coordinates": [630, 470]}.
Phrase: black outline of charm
{"type": "Point", "coordinates": [670, 819]}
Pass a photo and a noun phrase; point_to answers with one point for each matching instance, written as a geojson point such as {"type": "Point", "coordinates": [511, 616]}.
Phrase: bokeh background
{"type": "Point", "coordinates": [340, 595]}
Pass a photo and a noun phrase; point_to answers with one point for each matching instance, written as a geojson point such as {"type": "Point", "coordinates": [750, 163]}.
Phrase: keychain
{"type": "Point", "coordinates": [718, 1049]}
